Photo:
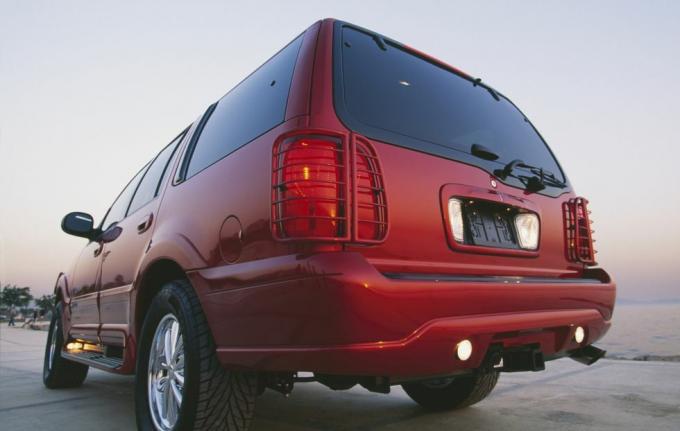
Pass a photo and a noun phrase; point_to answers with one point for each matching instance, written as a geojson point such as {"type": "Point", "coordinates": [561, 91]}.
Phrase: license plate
{"type": "Point", "coordinates": [490, 226]}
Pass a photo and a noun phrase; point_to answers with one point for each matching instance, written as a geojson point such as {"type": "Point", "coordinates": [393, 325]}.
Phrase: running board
{"type": "Point", "coordinates": [93, 358]}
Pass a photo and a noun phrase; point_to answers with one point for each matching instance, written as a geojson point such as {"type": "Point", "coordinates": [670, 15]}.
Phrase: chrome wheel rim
{"type": "Point", "coordinates": [53, 346]}
{"type": "Point", "coordinates": [166, 373]}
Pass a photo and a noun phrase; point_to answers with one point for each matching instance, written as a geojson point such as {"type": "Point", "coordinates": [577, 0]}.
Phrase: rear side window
{"type": "Point", "coordinates": [386, 92]}
{"type": "Point", "coordinates": [119, 208]}
{"type": "Point", "coordinates": [253, 107]}
{"type": "Point", "coordinates": [149, 186]}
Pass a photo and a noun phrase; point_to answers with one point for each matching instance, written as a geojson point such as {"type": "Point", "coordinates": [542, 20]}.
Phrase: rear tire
{"type": "Point", "coordinates": [210, 396]}
{"type": "Point", "coordinates": [454, 393]}
{"type": "Point", "coordinates": [57, 371]}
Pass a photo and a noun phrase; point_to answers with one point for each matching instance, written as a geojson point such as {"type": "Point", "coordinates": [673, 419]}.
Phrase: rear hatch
{"type": "Point", "coordinates": [460, 165]}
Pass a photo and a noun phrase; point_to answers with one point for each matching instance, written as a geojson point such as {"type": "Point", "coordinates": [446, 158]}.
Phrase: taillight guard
{"type": "Point", "coordinates": [578, 232]}
{"type": "Point", "coordinates": [370, 200]}
{"type": "Point", "coordinates": [310, 187]}
{"type": "Point", "coordinates": [327, 186]}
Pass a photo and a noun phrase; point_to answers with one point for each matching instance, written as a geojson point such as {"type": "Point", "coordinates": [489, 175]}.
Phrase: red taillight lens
{"type": "Point", "coordinates": [578, 233]}
{"type": "Point", "coordinates": [310, 188]}
{"type": "Point", "coordinates": [371, 205]}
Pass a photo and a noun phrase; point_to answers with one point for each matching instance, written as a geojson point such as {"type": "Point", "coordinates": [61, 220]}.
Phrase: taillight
{"type": "Point", "coordinates": [578, 233]}
{"type": "Point", "coordinates": [371, 203]}
{"type": "Point", "coordinates": [309, 198]}
{"type": "Point", "coordinates": [327, 188]}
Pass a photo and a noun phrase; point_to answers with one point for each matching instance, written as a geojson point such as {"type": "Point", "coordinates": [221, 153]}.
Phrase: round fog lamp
{"type": "Point", "coordinates": [579, 334]}
{"type": "Point", "coordinates": [464, 350]}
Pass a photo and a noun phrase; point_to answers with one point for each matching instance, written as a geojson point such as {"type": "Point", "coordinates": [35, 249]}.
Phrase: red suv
{"type": "Point", "coordinates": [353, 209]}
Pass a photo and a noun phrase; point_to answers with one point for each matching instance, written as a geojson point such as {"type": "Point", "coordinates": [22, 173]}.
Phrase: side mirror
{"type": "Point", "coordinates": [78, 224]}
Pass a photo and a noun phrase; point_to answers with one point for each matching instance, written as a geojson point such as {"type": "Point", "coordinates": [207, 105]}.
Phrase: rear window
{"type": "Point", "coordinates": [387, 93]}
{"type": "Point", "coordinates": [253, 107]}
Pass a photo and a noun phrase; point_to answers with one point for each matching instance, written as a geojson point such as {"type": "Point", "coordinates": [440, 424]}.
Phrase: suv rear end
{"type": "Point", "coordinates": [354, 209]}
{"type": "Point", "coordinates": [397, 213]}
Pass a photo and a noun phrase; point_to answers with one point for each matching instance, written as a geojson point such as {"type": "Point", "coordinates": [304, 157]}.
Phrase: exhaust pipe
{"type": "Point", "coordinates": [587, 355]}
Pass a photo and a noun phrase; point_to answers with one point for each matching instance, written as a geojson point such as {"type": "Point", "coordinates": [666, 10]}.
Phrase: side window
{"type": "Point", "coordinates": [119, 208]}
{"type": "Point", "coordinates": [253, 107]}
{"type": "Point", "coordinates": [149, 186]}
{"type": "Point", "coordinates": [171, 162]}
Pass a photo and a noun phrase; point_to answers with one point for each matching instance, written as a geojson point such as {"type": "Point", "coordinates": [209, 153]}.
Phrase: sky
{"type": "Point", "coordinates": [90, 91]}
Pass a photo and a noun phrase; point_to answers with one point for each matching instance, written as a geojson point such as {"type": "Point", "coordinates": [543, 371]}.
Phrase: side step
{"type": "Point", "coordinates": [93, 358]}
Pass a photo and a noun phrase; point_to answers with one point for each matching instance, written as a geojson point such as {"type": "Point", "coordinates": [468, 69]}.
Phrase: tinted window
{"type": "Point", "coordinates": [253, 107]}
{"type": "Point", "coordinates": [171, 163]}
{"type": "Point", "coordinates": [392, 95]}
{"type": "Point", "coordinates": [148, 188]}
{"type": "Point", "coordinates": [119, 208]}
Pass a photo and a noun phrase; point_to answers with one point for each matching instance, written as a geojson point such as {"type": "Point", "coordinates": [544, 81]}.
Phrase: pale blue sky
{"type": "Point", "coordinates": [89, 91]}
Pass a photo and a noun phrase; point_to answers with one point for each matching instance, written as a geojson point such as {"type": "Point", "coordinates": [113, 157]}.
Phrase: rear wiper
{"type": "Point", "coordinates": [537, 182]}
{"type": "Point", "coordinates": [507, 170]}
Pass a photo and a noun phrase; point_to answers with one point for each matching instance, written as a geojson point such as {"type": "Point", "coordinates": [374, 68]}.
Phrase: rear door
{"type": "Point", "coordinates": [121, 256]}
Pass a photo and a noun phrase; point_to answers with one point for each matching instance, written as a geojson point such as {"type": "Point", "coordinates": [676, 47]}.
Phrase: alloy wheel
{"type": "Point", "coordinates": [166, 373]}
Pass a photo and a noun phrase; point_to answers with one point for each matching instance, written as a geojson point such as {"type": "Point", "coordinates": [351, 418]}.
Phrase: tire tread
{"type": "Point", "coordinates": [64, 373]}
{"type": "Point", "coordinates": [226, 399]}
{"type": "Point", "coordinates": [460, 393]}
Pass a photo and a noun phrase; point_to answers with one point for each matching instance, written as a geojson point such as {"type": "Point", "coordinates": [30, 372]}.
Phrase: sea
{"type": "Point", "coordinates": [644, 332]}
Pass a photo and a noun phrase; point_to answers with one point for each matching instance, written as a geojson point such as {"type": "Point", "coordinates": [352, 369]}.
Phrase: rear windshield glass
{"type": "Point", "coordinates": [388, 93]}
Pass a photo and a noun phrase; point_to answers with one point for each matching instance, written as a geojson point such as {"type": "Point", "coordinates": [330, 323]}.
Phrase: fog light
{"type": "Point", "coordinates": [579, 335]}
{"type": "Point", "coordinates": [464, 350]}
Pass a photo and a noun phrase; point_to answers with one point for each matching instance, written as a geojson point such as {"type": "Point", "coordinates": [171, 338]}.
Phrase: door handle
{"type": "Point", "coordinates": [145, 224]}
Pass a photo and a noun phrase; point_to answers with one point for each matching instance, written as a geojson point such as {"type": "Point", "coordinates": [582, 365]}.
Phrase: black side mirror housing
{"type": "Point", "coordinates": [78, 224]}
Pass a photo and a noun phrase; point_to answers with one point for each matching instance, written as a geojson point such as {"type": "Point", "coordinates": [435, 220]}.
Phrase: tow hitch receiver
{"type": "Point", "coordinates": [514, 359]}
{"type": "Point", "coordinates": [525, 358]}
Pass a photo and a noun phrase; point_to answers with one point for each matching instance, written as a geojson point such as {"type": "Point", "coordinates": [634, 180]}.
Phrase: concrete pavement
{"type": "Point", "coordinates": [611, 395]}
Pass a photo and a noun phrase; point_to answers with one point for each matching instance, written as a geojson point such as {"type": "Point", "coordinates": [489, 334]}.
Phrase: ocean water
{"type": "Point", "coordinates": [640, 330]}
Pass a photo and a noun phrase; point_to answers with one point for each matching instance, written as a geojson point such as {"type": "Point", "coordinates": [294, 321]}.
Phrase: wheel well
{"type": "Point", "coordinates": [159, 273]}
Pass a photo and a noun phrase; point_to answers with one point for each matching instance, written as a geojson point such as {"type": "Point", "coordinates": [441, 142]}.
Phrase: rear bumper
{"type": "Point", "coordinates": [334, 313]}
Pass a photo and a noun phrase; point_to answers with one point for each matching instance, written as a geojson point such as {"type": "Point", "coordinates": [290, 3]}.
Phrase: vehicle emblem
{"type": "Point", "coordinates": [494, 184]}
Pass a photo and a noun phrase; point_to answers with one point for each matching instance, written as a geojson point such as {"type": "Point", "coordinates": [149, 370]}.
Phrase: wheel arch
{"type": "Point", "coordinates": [154, 277]}
{"type": "Point", "coordinates": [171, 256]}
